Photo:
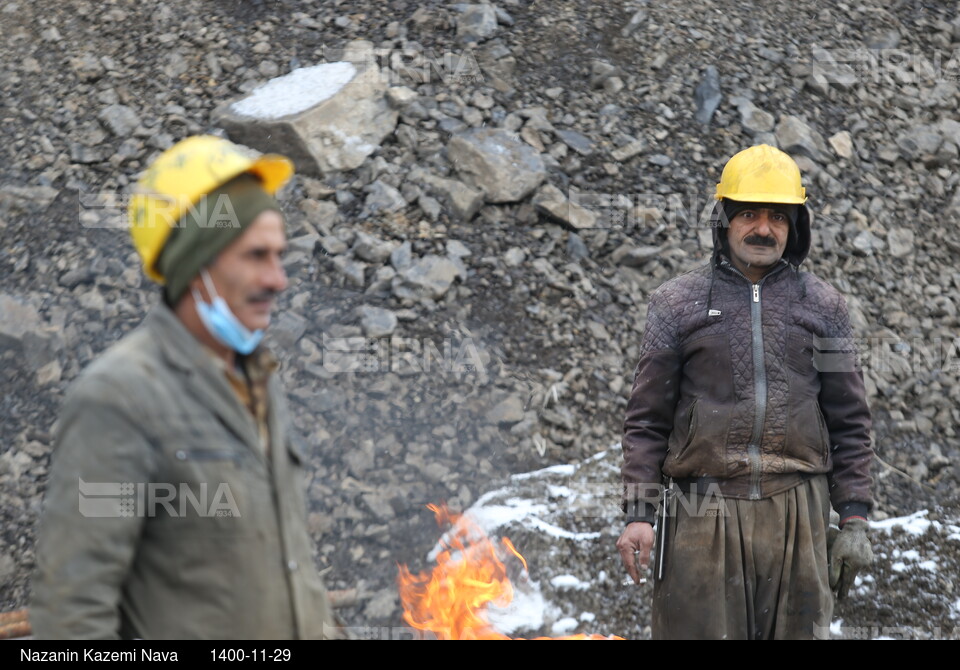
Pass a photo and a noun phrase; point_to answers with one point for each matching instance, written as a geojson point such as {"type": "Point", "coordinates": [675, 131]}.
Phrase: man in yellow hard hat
{"type": "Point", "coordinates": [175, 506]}
{"type": "Point", "coordinates": [750, 432]}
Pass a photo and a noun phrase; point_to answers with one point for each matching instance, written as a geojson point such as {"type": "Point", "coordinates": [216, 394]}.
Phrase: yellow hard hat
{"type": "Point", "coordinates": [761, 174]}
{"type": "Point", "coordinates": [180, 176]}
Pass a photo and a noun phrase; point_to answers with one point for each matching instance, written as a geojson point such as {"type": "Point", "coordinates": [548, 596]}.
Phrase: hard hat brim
{"type": "Point", "coordinates": [274, 171]}
{"type": "Point", "coordinates": [778, 198]}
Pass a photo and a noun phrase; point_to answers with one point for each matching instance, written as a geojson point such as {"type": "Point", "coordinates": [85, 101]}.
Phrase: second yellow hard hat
{"type": "Point", "coordinates": [761, 174]}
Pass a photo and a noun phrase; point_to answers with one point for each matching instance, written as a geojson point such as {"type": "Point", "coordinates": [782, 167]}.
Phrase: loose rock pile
{"type": "Point", "coordinates": [471, 255]}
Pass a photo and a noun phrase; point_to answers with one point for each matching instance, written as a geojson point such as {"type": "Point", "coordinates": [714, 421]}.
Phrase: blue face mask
{"type": "Point", "coordinates": [222, 324]}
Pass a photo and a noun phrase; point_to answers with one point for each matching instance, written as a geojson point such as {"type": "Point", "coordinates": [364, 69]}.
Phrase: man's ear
{"type": "Point", "coordinates": [196, 284]}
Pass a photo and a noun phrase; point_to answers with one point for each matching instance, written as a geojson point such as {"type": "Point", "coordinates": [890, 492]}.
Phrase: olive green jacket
{"type": "Point", "coordinates": [163, 518]}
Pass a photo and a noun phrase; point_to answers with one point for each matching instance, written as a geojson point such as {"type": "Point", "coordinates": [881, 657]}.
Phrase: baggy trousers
{"type": "Point", "coordinates": [747, 569]}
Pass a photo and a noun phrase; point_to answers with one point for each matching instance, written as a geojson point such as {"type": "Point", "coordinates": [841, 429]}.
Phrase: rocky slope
{"type": "Point", "coordinates": [530, 310]}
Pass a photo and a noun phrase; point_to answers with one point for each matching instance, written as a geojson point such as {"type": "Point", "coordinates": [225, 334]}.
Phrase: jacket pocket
{"type": "Point", "coordinates": [824, 435]}
{"type": "Point", "coordinates": [691, 423]}
{"type": "Point", "coordinates": [807, 443]}
{"type": "Point", "coordinates": [800, 359]}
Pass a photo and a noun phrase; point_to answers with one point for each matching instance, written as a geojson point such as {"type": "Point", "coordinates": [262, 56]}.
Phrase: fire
{"type": "Point", "coordinates": [451, 601]}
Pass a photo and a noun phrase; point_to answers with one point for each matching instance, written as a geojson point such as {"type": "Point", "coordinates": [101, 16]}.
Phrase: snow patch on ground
{"type": "Point", "coordinates": [527, 610]}
{"type": "Point", "coordinates": [564, 469]}
{"type": "Point", "coordinates": [565, 625]}
{"type": "Point", "coordinates": [569, 582]}
{"type": "Point", "coordinates": [556, 531]}
{"type": "Point", "coordinates": [916, 523]}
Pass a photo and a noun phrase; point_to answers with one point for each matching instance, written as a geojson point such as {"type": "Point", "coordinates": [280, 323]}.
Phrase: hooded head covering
{"type": "Point", "coordinates": [209, 228]}
{"type": "Point", "coordinates": [798, 241]}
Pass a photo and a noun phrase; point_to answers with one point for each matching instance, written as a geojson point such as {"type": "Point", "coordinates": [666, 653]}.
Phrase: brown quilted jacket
{"type": "Point", "coordinates": [728, 387]}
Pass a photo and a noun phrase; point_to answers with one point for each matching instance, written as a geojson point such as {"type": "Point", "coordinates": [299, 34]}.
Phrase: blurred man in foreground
{"type": "Point", "coordinates": [175, 506]}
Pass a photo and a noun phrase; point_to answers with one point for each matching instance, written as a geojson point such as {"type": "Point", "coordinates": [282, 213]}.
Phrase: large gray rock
{"type": "Point", "coordinates": [326, 118]}
{"type": "Point", "coordinates": [402, 257]}
{"type": "Point", "coordinates": [333, 245]}
{"type": "Point", "coordinates": [900, 242]}
{"type": "Point", "coordinates": [430, 277]}
{"type": "Point", "coordinates": [26, 199]}
{"type": "Point", "coordinates": [371, 249]}
{"type": "Point", "coordinates": [950, 130]}
{"type": "Point", "coordinates": [509, 411]}
{"type": "Point", "coordinates": [320, 213]}
{"type": "Point", "coordinates": [514, 256]}
{"type": "Point", "coordinates": [119, 119]}
{"type": "Point", "coordinates": [601, 71]}
{"type": "Point", "coordinates": [553, 202]}
{"type": "Point", "coordinates": [796, 136]}
{"type": "Point", "coordinates": [635, 257]}
{"type": "Point", "coordinates": [503, 167]}
{"type": "Point", "coordinates": [382, 197]}
{"type": "Point", "coordinates": [457, 249]}
{"type": "Point", "coordinates": [919, 143]}
{"type": "Point", "coordinates": [18, 321]}
{"type": "Point", "coordinates": [827, 70]}
{"type": "Point", "coordinates": [755, 120]}
{"type": "Point", "coordinates": [353, 272]}
{"type": "Point", "coordinates": [579, 142]}
{"type": "Point", "coordinates": [462, 199]}
{"type": "Point", "coordinates": [629, 150]}
{"type": "Point", "coordinates": [376, 321]}
{"type": "Point", "coordinates": [866, 243]}
{"type": "Point", "coordinates": [87, 67]}
{"type": "Point", "coordinates": [287, 329]}
{"type": "Point", "coordinates": [842, 144]}
{"type": "Point", "coordinates": [707, 95]}
{"type": "Point", "coordinates": [477, 23]}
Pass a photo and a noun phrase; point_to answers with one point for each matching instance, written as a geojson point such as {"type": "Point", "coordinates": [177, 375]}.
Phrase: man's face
{"type": "Point", "coordinates": [757, 237]}
{"type": "Point", "coordinates": [249, 273]}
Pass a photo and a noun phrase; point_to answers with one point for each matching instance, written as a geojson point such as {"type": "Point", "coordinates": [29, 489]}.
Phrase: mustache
{"type": "Point", "coordinates": [760, 240]}
{"type": "Point", "coordinates": [261, 297]}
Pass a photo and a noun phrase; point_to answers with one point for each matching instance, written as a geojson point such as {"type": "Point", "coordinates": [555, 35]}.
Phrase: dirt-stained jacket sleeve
{"type": "Point", "coordinates": [843, 402]}
{"type": "Point", "coordinates": [650, 410]}
{"type": "Point", "coordinates": [87, 544]}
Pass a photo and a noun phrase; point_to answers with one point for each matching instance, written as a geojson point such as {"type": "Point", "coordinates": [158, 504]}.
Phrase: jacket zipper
{"type": "Point", "coordinates": [759, 383]}
{"type": "Point", "coordinates": [759, 390]}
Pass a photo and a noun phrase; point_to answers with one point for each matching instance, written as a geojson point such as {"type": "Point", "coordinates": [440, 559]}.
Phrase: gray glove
{"type": "Point", "coordinates": [849, 554]}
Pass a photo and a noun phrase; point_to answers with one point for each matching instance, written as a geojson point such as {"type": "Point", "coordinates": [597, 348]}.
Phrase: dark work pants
{"type": "Point", "coordinates": [742, 569]}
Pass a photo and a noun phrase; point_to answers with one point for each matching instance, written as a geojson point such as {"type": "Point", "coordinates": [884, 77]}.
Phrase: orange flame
{"type": "Point", "coordinates": [451, 601]}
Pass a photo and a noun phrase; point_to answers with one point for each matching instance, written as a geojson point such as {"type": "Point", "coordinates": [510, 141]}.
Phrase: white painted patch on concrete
{"type": "Point", "coordinates": [295, 92]}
